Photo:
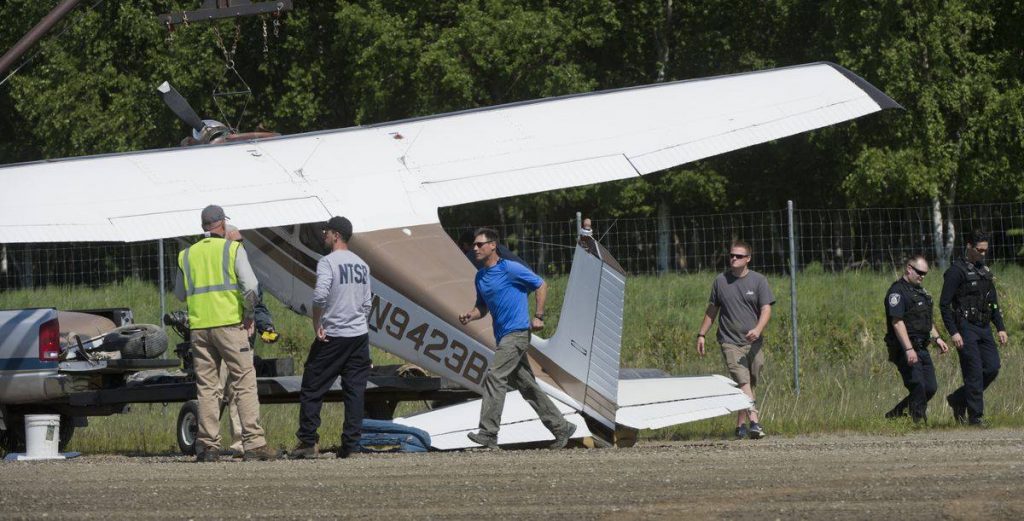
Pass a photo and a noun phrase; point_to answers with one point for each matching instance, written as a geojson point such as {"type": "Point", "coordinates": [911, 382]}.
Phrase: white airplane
{"type": "Point", "coordinates": [391, 178]}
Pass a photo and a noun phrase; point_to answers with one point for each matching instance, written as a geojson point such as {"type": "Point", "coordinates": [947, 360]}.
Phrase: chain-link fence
{"type": "Point", "coordinates": [835, 240]}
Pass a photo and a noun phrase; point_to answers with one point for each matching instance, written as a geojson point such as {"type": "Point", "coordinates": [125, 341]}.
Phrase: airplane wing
{"type": "Point", "coordinates": [394, 175]}
{"type": "Point", "coordinates": [448, 426]}
{"type": "Point", "coordinates": [644, 403]}
{"type": "Point", "coordinates": [653, 403]}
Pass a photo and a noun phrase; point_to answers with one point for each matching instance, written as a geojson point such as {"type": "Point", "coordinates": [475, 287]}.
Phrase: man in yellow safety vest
{"type": "Point", "coordinates": [220, 289]}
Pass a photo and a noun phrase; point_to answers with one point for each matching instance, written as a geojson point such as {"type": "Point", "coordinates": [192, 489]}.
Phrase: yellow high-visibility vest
{"type": "Point", "coordinates": [211, 285]}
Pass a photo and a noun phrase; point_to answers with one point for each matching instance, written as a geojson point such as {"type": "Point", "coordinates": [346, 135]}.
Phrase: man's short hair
{"type": "Point", "coordinates": [741, 244]}
{"type": "Point", "coordinates": [341, 225]}
{"type": "Point", "coordinates": [977, 236]}
{"type": "Point", "coordinates": [489, 233]}
{"type": "Point", "coordinates": [916, 257]}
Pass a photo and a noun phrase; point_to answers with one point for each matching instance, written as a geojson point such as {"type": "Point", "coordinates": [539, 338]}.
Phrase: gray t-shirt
{"type": "Point", "coordinates": [739, 300]}
{"type": "Point", "coordinates": [343, 291]}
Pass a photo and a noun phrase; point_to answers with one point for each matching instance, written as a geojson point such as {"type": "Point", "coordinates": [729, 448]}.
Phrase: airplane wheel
{"type": "Point", "coordinates": [137, 341]}
{"type": "Point", "coordinates": [187, 427]}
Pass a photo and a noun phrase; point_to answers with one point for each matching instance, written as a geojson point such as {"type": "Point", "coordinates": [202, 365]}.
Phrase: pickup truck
{"type": "Point", "coordinates": [46, 356]}
{"type": "Point", "coordinates": [99, 362]}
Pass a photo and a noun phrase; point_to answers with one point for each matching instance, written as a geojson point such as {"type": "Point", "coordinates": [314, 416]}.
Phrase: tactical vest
{"type": "Point", "coordinates": [211, 285]}
{"type": "Point", "coordinates": [918, 317]}
{"type": "Point", "coordinates": [971, 302]}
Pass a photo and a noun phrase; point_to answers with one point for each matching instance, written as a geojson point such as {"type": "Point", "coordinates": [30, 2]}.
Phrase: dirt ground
{"type": "Point", "coordinates": [931, 474]}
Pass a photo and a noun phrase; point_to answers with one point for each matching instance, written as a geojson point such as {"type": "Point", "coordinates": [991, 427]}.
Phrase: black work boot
{"type": "Point", "coordinates": [959, 410]}
{"type": "Point", "coordinates": [896, 412]}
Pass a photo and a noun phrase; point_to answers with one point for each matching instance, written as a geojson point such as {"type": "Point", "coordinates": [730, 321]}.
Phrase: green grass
{"type": "Point", "coordinates": [846, 382]}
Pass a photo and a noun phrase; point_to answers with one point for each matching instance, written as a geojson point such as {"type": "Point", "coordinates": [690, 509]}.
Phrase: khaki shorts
{"type": "Point", "coordinates": [744, 362]}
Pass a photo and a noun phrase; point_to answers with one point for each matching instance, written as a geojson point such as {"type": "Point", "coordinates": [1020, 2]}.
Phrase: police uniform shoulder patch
{"type": "Point", "coordinates": [894, 299]}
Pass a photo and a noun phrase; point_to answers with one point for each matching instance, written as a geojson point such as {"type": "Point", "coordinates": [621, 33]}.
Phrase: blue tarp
{"type": "Point", "coordinates": [386, 436]}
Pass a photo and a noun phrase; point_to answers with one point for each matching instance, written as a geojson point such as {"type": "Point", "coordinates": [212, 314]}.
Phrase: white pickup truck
{"type": "Point", "coordinates": [47, 355]}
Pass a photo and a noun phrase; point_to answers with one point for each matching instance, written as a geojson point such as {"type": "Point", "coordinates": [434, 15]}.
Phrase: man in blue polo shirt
{"type": "Point", "coordinates": [501, 289]}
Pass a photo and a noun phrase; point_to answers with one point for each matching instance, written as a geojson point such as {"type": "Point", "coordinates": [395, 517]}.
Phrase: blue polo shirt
{"type": "Point", "coordinates": [502, 290]}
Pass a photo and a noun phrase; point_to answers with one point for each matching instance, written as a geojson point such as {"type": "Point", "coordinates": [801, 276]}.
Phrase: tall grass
{"type": "Point", "coordinates": [846, 382]}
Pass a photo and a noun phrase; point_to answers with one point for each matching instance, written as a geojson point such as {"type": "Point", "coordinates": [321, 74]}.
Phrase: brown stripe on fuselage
{"type": "Point", "coordinates": [294, 267]}
{"type": "Point", "coordinates": [428, 268]}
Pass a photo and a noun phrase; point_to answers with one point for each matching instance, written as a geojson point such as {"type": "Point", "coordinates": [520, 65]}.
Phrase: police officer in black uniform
{"type": "Point", "coordinates": [908, 313]}
{"type": "Point", "coordinates": [968, 304]}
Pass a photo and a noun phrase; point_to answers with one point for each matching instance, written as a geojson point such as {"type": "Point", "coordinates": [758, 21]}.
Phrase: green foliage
{"type": "Point", "coordinates": [956, 66]}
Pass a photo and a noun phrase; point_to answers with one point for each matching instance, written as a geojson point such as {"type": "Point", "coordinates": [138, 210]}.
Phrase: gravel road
{"type": "Point", "coordinates": [929, 474]}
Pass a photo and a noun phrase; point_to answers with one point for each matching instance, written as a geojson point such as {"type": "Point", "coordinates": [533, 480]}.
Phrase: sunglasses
{"type": "Point", "coordinates": [981, 250]}
{"type": "Point", "coordinates": [481, 244]}
{"type": "Point", "coordinates": [919, 272]}
{"type": "Point", "coordinates": [738, 256]}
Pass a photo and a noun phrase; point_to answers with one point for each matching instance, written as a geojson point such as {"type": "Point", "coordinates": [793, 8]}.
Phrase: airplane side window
{"type": "Point", "coordinates": [312, 237]}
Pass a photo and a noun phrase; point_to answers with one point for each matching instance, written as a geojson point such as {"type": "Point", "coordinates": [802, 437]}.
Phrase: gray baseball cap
{"type": "Point", "coordinates": [212, 214]}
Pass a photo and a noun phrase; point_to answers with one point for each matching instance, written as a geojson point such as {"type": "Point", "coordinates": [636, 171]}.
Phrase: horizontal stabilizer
{"type": "Point", "coordinates": [653, 403]}
{"type": "Point", "coordinates": [449, 426]}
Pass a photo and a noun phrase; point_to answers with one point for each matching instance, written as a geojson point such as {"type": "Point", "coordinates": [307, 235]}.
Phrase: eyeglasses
{"type": "Point", "coordinates": [981, 250]}
{"type": "Point", "coordinates": [738, 256]}
{"type": "Point", "coordinates": [919, 272]}
{"type": "Point", "coordinates": [481, 244]}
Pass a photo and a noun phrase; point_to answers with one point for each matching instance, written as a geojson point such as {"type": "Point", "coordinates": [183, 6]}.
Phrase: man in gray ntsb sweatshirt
{"type": "Point", "coordinates": [341, 303]}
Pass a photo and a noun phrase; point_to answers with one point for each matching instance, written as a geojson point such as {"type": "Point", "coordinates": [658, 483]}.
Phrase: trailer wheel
{"type": "Point", "coordinates": [137, 341]}
{"type": "Point", "coordinates": [67, 431]}
{"type": "Point", "coordinates": [13, 438]}
{"type": "Point", "coordinates": [188, 427]}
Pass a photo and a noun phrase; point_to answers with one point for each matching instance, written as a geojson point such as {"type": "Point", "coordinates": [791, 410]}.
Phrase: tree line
{"type": "Point", "coordinates": [955, 65]}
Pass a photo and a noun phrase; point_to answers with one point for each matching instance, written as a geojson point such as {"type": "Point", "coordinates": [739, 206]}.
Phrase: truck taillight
{"type": "Point", "coordinates": [49, 341]}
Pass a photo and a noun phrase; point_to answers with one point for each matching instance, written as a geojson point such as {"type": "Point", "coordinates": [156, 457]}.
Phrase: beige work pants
{"type": "Point", "coordinates": [230, 398]}
{"type": "Point", "coordinates": [230, 345]}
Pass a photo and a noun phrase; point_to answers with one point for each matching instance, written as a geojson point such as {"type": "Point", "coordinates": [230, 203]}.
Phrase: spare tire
{"type": "Point", "coordinates": [137, 341]}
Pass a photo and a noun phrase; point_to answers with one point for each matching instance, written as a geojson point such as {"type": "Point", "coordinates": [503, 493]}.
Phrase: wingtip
{"type": "Point", "coordinates": [882, 99]}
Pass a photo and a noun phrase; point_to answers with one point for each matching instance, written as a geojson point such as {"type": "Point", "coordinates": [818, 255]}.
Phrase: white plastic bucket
{"type": "Point", "coordinates": [42, 436]}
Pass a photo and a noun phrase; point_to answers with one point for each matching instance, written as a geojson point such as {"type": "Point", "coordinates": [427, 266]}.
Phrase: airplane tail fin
{"type": "Point", "coordinates": [582, 358]}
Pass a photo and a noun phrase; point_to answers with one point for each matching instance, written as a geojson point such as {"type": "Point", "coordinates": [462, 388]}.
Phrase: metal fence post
{"type": "Point", "coordinates": [792, 298]}
{"type": "Point", "coordinates": [163, 301]}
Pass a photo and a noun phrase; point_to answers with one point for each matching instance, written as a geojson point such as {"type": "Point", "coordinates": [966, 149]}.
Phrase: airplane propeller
{"type": "Point", "coordinates": [203, 130]}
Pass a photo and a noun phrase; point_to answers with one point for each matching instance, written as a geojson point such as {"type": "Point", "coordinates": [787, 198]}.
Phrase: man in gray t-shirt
{"type": "Point", "coordinates": [743, 302]}
{"type": "Point", "coordinates": [341, 302]}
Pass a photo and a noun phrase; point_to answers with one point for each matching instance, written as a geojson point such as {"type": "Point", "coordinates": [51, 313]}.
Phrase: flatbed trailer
{"type": "Point", "coordinates": [386, 387]}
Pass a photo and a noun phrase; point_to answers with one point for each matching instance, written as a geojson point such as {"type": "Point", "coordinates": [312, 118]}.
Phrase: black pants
{"type": "Point", "coordinates": [338, 356]}
{"type": "Point", "coordinates": [979, 365]}
{"type": "Point", "coordinates": [919, 379]}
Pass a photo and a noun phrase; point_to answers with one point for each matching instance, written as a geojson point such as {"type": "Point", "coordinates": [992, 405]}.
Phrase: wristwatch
{"type": "Point", "coordinates": [539, 316]}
